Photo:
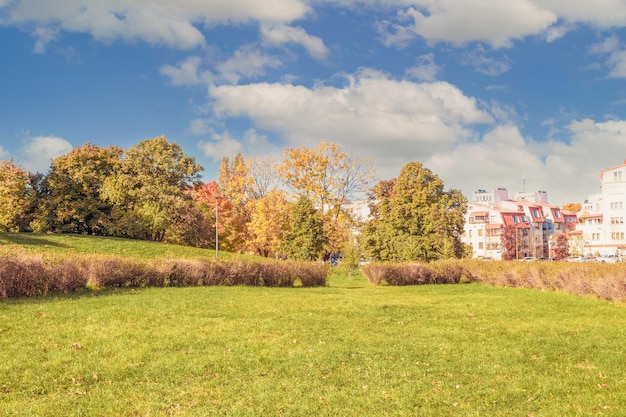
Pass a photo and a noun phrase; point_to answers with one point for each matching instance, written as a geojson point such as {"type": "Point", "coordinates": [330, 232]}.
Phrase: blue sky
{"type": "Point", "coordinates": [485, 93]}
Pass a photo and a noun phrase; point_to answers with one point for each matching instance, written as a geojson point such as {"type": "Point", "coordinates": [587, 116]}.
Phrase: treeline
{"type": "Point", "coordinates": [298, 207]}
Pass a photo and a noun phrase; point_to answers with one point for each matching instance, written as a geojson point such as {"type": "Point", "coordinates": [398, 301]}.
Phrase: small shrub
{"type": "Point", "coordinates": [66, 275]}
{"type": "Point", "coordinates": [22, 276]}
{"type": "Point", "coordinates": [309, 274]}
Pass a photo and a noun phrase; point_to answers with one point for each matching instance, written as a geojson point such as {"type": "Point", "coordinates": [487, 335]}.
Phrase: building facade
{"type": "Point", "coordinates": [602, 215]}
{"type": "Point", "coordinates": [527, 222]}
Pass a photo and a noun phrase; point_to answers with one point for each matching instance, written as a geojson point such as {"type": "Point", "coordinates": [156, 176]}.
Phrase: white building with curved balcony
{"type": "Point", "coordinates": [602, 215]}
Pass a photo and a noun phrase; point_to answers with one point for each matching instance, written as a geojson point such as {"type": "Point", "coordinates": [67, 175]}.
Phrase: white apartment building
{"type": "Point", "coordinates": [534, 220]}
{"type": "Point", "coordinates": [602, 215]}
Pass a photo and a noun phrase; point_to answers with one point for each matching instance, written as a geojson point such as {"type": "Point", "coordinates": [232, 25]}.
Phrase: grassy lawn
{"type": "Point", "coordinates": [345, 350]}
{"type": "Point", "coordinates": [61, 244]}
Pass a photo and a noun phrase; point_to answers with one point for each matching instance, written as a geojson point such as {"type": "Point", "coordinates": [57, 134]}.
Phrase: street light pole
{"type": "Point", "coordinates": [217, 237]}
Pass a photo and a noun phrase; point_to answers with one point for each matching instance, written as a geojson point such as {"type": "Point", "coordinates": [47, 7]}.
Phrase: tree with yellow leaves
{"type": "Point", "coordinates": [14, 195]}
{"type": "Point", "coordinates": [269, 221]}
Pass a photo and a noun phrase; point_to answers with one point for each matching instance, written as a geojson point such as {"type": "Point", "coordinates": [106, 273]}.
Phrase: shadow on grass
{"type": "Point", "coordinates": [76, 295]}
{"type": "Point", "coordinates": [28, 239]}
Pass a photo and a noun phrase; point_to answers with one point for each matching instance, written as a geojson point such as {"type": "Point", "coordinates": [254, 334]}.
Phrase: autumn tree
{"type": "Point", "coordinates": [269, 222]}
{"type": "Point", "coordinates": [234, 183]}
{"type": "Point", "coordinates": [263, 174]}
{"type": "Point", "coordinates": [416, 220]}
{"type": "Point", "coordinates": [511, 242]}
{"type": "Point", "coordinates": [150, 190]}
{"type": "Point", "coordinates": [306, 238]}
{"type": "Point", "coordinates": [561, 247]}
{"type": "Point", "coordinates": [14, 195]}
{"type": "Point", "coordinates": [331, 178]}
{"type": "Point", "coordinates": [573, 207]}
{"type": "Point", "coordinates": [73, 201]}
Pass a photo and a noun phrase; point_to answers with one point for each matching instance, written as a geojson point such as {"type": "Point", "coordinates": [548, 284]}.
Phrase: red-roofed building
{"type": "Point", "coordinates": [533, 221]}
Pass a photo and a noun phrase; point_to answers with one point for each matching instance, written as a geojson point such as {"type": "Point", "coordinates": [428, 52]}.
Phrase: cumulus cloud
{"type": "Point", "coordinates": [224, 144]}
{"type": "Point", "coordinates": [154, 21]}
{"type": "Point", "coordinates": [616, 61]}
{"type": "Point", "coordinates": [457, 22]}
{"type": "Point", "coordinates": [425, 70]}
{"type": "Point", "coordinates": [280, 34]}
{"type": "Point", "coordinates": [382, 117]}
{"type": "Point", "coordinates": [248, 62]}
{"type": "Point", "coordinates": [503, 157]}
{"type": "Point", "coordinates": [38, 152]}
{"type": "Point", "coordinates": [484, 64]}
{"type": "Point", "coordinates": [187, 72]}
{"type": "Point", "coordinates": [498, 23]}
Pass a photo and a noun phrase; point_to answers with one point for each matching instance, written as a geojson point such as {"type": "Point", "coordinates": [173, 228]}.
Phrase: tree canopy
{"type": "Point", "coordinates": [414, 218]}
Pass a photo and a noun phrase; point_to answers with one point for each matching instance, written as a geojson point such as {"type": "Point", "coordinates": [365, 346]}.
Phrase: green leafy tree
{"type": "Point", "coordinates": [14, 195]}
{"type": "Point", "coordinates": [73, 201]}
{"type": "Point", "coordinates": [149, 192]}
{"type": "Point", "coordinates": [306, 239]}
{"type": "Point", "coordinates": [416, 219]}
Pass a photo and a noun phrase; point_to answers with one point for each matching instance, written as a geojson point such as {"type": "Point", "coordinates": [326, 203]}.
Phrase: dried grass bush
{"type": "Point", "coordinates": [22, 276]}
{"type": "Point", "coordinates": [178, 273]}
{"type": "Point", "coordinates": [118, 272]}
{"type": "Point", "coordinates": [276, 274]}
{"type": "Point", "coordinates": [309, 274]}
{"type": "Point", "coordinates": [376, 272]}
{"type": "Point", "coordinates": [66, 275]}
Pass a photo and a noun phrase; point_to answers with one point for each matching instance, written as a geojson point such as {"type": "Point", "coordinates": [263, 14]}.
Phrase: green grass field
{"type": "Point", "coordinates": [348, 349]}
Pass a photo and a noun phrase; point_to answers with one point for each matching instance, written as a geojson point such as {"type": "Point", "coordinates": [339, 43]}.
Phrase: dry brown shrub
{"type": "Point", "coordinates": [214, 274]}
{"type": "Point", "coordinates": [22, 276]}
{"type": "Point", "coordinates": [276, 274]}
{"type": "Point", "coordinates": [447, 272]}
{"type": "Point", "coordinates": [180, 272]}
{"type": "Point", "coordinates": [309, 274]}
{"type": "Point", "coordinates": [117, 272]}
{"type": "Point", "coordinates": [243, 273]}
{"type": "Point", "coordinates": [375, 272]}
{"type": "Point", "coordinates": [66, 275]}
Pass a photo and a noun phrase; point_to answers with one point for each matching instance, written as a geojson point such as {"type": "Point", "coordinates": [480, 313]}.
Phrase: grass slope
{"type": "Point", "coordinates": [60, 244]}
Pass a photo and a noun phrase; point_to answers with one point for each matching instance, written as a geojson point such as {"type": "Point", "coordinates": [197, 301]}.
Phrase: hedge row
{"type": "Point", "coordinates": [31, 275]}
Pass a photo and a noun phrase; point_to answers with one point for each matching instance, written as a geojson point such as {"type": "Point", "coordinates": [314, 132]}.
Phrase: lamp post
{"type": "Point", "coordinates": [217, 236]}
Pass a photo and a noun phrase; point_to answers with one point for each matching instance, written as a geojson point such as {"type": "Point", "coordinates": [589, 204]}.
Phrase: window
{"type": "Point", "coordinates": [617, 236]}
{"type": "Point", "coordinates": [480, 245]}
{"type": "Point", "coordinates": [617, 205]}
{"type": "Point", "coordinates": [480, 232]}
{"type": "Point", "coordinates": [595, 236]}
{"type": "Point", "coordinates": [515, 219]}
{"type": "Point", "coordinates": [617, 176]}
{"type": "Point", "coordinates": [536, 214]}
{"type": "Point", "coordinates": [470, 233]}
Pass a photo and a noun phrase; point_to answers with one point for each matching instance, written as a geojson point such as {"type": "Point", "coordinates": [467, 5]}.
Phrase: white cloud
{"type": "Point", "coordinates": [219, 146]}
{"type": "Point", "coordinates": [484, 64]}
{"type": "Point", "coordinates": [247, 62]}
{"type": "Point", "coordinates": [616, 60]}
{"type": "Point", "coordinates": [496, 22]}
{"type": "Point", "coordinates": [384, 118]}
{"type": "Point", "coordinates": [187, 72]}
{"type": "Point", "coordinates": [280, 34]}
{"type": "Point", "coordinates": [199, 127]}
{"type": "Point", "coordinates": [38, 152]}
{"type": "Point", "coordinates": [425, 70]}
{"type": "Point", "coordinates": [43, 36]}
{"type": "Point", "coordinates": [166, 22]}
